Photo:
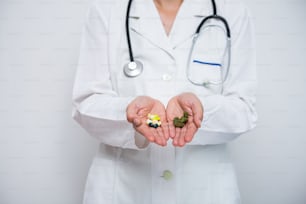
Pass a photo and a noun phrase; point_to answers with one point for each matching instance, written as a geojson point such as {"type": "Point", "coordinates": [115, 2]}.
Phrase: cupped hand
{"type": "Point", "coordinates": [137, 114]}
{"type": "Point", "coordinates": [185, 102]}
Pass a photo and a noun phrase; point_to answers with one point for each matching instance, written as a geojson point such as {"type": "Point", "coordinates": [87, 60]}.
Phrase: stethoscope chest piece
{"type": "Point", "coordinates": [133, 69]}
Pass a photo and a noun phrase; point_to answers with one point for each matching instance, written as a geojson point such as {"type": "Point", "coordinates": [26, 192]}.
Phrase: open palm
{"type": "Point", "coordinates": [137, 114]}
{"type": "Point", "coordinates": [185, 102]}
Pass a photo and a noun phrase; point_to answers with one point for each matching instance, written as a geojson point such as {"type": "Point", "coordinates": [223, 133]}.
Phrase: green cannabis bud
{"type": "Point", "coordinates": [180, 122]}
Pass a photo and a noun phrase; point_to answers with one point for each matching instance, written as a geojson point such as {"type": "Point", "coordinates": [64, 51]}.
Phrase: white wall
{"type": "Point", "coordinates": [271, 161]}
{"type": "Point", "coordinates": [45, 155]}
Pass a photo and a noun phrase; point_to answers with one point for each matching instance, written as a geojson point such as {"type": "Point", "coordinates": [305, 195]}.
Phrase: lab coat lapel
{"type": "Point", "coordinates": [145, 21]}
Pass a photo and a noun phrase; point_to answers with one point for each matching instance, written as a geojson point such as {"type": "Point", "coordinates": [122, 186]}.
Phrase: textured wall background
{"type": "Point", "coordinates": [271, 161]}
{"type": "Point", "coordinates": [45, 155]}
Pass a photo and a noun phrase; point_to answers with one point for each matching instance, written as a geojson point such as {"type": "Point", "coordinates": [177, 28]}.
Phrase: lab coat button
{"type": "Point", "coordinates": [167, 175]}
{"type": "Point", "coordinates": [166, 77]}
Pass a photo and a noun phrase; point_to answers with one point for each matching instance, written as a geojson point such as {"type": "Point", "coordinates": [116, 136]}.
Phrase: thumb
{"type": "Point", "coordinates": [197, 111]}
{"type": "Point", "coordinates": [137, 122]}
{"type": "Point", "coordinates": [131, 112]}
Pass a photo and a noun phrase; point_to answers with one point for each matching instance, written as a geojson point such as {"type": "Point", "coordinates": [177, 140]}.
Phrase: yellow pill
{"type": "Point", "coordinates": [153, 117]}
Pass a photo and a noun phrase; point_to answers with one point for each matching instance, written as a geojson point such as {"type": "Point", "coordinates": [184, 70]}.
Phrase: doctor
{"type": "Point", "coordinates": [139, 164]}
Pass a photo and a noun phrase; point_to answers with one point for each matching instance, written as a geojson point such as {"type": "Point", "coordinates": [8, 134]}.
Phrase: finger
{"type": "Point", "coordinates": [165, 128]}
{"type": "Point", "coordinates": [177, 136]}
{"type": "Point", "coordinates": [142, 111]}
{"type": "Point", "coordinates": [157, 134]}
{"type": "Point", "coordinates": [131, 112]}
{"type": "Point", "coordinates": [136, 122]}
{"type": "Point", "coordinates": [146, 132]}
{"type": "Point", "coordinates": [197, 113]}
{"type": "Point", "coordinates": [160, 139]}
{"type": "Point", "coordinates": [181, 140]}
{"type": "Point", "coordinates": [171, 130]}
{"type": "Point", "coordinates": [191, 130]}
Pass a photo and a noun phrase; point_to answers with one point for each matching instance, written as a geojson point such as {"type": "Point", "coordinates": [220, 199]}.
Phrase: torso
{"type": "Point", "coordinates": [117, 174]}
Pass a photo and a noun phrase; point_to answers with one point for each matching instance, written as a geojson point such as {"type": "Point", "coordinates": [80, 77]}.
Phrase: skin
{"type": "Point", "coordinates": [138, 110]}
{"type": "Point", "coordinates": [167, 10]}
{"type": "Point", "coordinates": [190, 103]}
{"type": "Point", "coordinates": [137, 114]}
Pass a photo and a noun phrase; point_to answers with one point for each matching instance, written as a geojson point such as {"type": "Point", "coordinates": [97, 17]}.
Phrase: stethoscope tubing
{"type": "Point", "coordinates": [127, 29]}
{"type": "Point", "coordinates": [216, 17]}
{"type": "Point", "coordinates": [226, 51]}
{"type": "Point", "coordinates": [195, 37]}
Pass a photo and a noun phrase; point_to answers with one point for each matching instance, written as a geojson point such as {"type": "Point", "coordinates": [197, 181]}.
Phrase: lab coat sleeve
{"type": "Point", "coordinates": [96, 105]}
{"type": "Point", "coordinates": [229, 115]}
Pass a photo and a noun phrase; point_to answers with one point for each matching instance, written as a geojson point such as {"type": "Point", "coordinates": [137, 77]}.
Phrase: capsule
{"type": "Point", "coordinates": [153, 120]}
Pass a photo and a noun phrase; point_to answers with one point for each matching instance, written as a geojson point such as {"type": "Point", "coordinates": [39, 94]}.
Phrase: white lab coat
{"type": "Point", "coordinates": [129, 170]}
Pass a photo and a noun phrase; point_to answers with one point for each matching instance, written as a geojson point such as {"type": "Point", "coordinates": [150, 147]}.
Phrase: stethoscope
{"type": "Point", "coordinates": [134, 67]}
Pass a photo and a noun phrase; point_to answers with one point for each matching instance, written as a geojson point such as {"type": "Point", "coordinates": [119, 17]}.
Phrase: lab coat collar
{"type": "Point", "coordinates": [145, 21]}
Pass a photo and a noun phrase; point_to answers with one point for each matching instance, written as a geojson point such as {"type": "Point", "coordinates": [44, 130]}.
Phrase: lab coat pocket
{"type": "Point", "coordinates": [207, 58]}
{"type": "Point", "coordinates": [205, 72]}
